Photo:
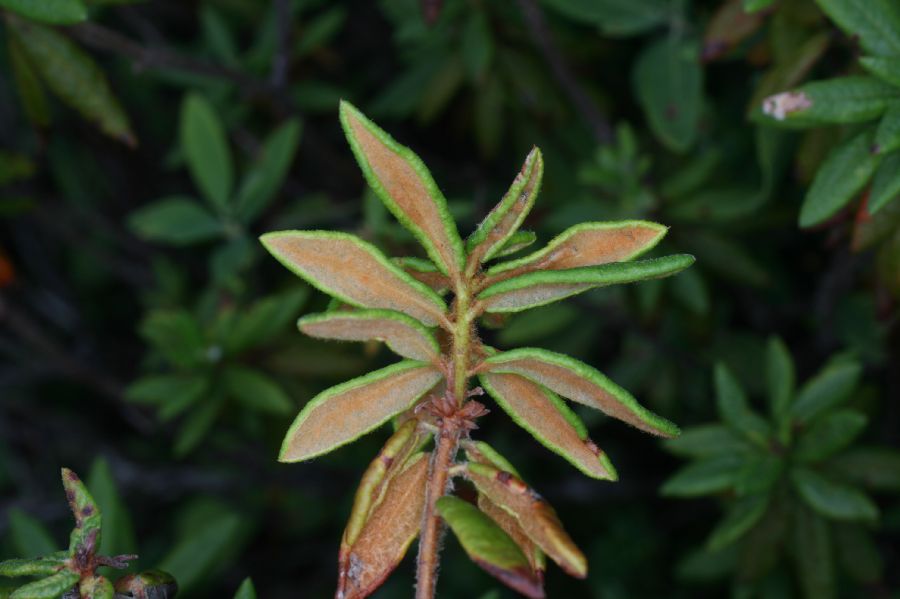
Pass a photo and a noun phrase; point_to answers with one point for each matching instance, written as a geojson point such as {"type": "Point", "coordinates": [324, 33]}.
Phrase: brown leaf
{"type": "Point", "coordinates": [549, 420]}
{"type": "Point", "coordinates": [355, 272]}
{"type": "Point", "coordinates": [387, 534]}
{"type": "Point", "coordinates": [425, 272]}
{"type": "Point", "coordinates": [510, 525]}
{"type": "Point", "coordinates": [729, 26]}
{"type": "Point", "coordinates": [343, 413]}
{"type": "Point", "coordinates": [534, 515]}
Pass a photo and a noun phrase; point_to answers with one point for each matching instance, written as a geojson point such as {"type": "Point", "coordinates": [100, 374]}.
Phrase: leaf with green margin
{"type": "Point", "coordinates": [876, 23]}
{"type": "Point", "coordinates": [406, 187]}
{"type": "Point", "coordinates": [707, 440]}
{"type": "Point", "coordinates": [844, 173]}
{"type": "Point", "coordinates": [833, 499]}
{"type": "Point", "coordinates": [402, 334]}
{"type": "Point", "coordinates": [877, 468]}
{"type": "Point", "coordinates": [668, 82]}
{"type": "Point", "coordinates": [343, 413]}
{"type": "Point", "coordinates": [887, 135]}
{"type": "Point", "coordinates": [858, 553]}
{"type": "Point", "coordinates": [355, 272]}
{"type": "Point", "coordinates": [481, 452]}
{"type": "Point", "coordinates": [543, 287]}
{"type": "Point", "coordinates": [265, 177]}
{"type": "Point", "coordinates": [885, 183]}
{"type": "Point", "coordinates": [118, 529]}
{"type": "Point", "coordinates": [246, 590]}
{"type": "Point", "coordinates": [827, 389]}
{"type": "Point", "coordinates": [829, 434]}
{"type": "Point", "coordinates": [587, 244]}
{"type": "Point", "coordinates": [813, 554]}
{"type": "Point", "coordinates": [885, 68]}
{"type": "Point", "coordinates": [489, 546]}
{"type": "Point", "coordinates": [37, 566]}
{"type": "Point", "coordinates": [739, 518]}
{"type": "Point", "coordinates": [205, 147]}
{"type": "Point", "coordinates": [517, 241]}
{"type": "Point", "coordinates": [175, 220]}
{"type": "Point", "coordinates": [28, 85]}
{"type": "Point", "coordinates": [74, 77]}
{"type": "Point", "coordinates": [780, 378]}
{"type": "Point", "coordinates": [735, 411]}
{"type": "Point", "coordinates": [425, 272]}
{"type": "Point", "coordinates": [704, 477]}
{"type": "Point", "coordinates": [255, 390]}
{"type": "Point", "coordinates": [537, 519]}
{"type": "Point", "coordinates": [578, 382]}
{"type": "Point", "coordinates": [47, 588]}
{"type": "Point", "coordinates": [843, 100]}
{"type": "Point", "coordinates": [52, 12]}
{"type": "Point", "coordinates": [29, 536]}
{"type": "Point", "coordinates": [96, 587]}
{"type": "Point", "coordinates": [549, 420]}
{"type": "Point", "coordinates": [506, 217]}
{"type": "Point", "coordinates": [87, 514]}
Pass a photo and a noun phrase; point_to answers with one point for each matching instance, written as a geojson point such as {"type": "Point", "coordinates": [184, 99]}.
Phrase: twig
{"type": "Point", "coordinates": [537, 26]}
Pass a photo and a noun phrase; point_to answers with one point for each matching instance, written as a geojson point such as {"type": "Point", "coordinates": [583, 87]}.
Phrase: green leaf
{"type": "Point", "coordinates": [96, 587]}
{"type": "Point", "coordinates": [735, 411]}
{"type": "Point", "coordinates": [205, 147]}
{"type": "Point", "coordinates": [780, 378]}
{"type": "Point", "coordinates": [549, 420]}
{"type": "Point", "coordinates": [86, 534]}
{"type": "Point", "coordinates": [580, 383]}
{"type": "Point", "coordinates": [813, 554]}
{"type": "Point", "coordinates": [843, 100]}
{"type": "Point", "coordinates": [74, 77]}
{"type": "Point", "coordinates": [546, 286]}
{"type": "Point", "coordinates": [53, 12]}
{"type": "Point", "coordinates": [887, 135]}
{"type": "Point", "coordinates": [759, 473]}
{"type": "Point", "coordinates": [29, 536]}
{"type": "Point", "coordinates": [47, 588]}
{"type": "Point", "coordinates": [175, 220]}
{"type": "Point", "coordinates": [828, 435]}
{"type": "Point", "coordinates": [752, 6]}
{"type": "Point", "coordinates": [343, 413]}
{"type": "Point", "coordinates": [830, 387]}
{"type": "Point", "coordinates": [668, 82]}
{"type": "Point", "coordinates": [406, 187]}
{"type": "Point", "coordinates": [477, 44]}
{"type": "Point", "coordinates": [876, 23]}
{"type": "Point", "coordinates": [885, 184]}
{"type": "Point", "coordinates": [265, 319]}
{"type": "Point", "coordinates": [704, 477]}
{"type": "Point", "coordinates": [197, 424]}
{"type": "Point", "coordinates": [265, 177]}
{"type": "Point", "coordinates": [355, 272]}
{"type": "Point", "coordinates": [858, 553]}
{"type": "Point", "coordinates": [246, 590]}
{"type": "Point", "coordinates": [28, 86]}
{"type": "Point", "coordinates": [172, 393]}
{"type": "Point", "coordinates": [740, 518]}
{"type": "Point", "coordinates": [707, 441]}
{"type": "Point", "coordinates": [200, 550]}
{"type": "Point", "coordinates": [832, 499]}
{"type": "Point", "coordinates": [40, 566]}
{"type": "Point", "coordinates": [517, 241]}
{"type": "Point", "coordinates": [874, 467]}
{"type": "Point", "coordinates": [255, 391]}
{"type": "Point", "coordinates": [118, 530]}
{"type": "Point", "coordinates": [615, 17]}
{"type": "Point", "coordinates": [176, 334]}
{"type": "Point", "coordinates": [489, 546]}
{"type": "Point", "coordinates": [506, 217]}
{"type": "Point", "coordinates": [402, 334]}
{"type": "Point", "coordinates": [844, 173]}
{"type": "Point", "coordinates": [885, 69]}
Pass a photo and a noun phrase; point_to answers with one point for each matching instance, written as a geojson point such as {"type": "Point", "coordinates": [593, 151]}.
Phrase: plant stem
{"type": "Point", "coordinates": [447, 443]}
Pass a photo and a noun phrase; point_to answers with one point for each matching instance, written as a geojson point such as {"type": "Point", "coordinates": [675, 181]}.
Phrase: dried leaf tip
{"type": "Point", "coordinates": [782, 105]}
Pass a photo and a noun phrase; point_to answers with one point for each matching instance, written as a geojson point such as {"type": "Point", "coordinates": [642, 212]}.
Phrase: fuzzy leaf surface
{"type": "Point", "coordinates": [537, 559]}
{"type": "Point", "coordinates": [506, 217]}
{"type": "Point", "coordinates": [406, 187]}
{"type": "Point", "coordinates": [343, 413]}
{"type": "Point", "coordinates": [581, 383]}
{"type": "Point", "coordinates": [85, 510]}
{"type": "Point", "coordinates": [516, 242]}
{"type": "Point", "coordinates": [355, 272]}
{"type": "Point", "coordinates": [402, 334]}
{"type": "Point", "coordinates": [488, 545]}
{"type": "Point", "coordinates": [96, 587]}
{"type": "Point", "coordinates": [543, 287]}
{"type": "Point", "coordinates": [47, 588]}
{"type": "Point", "coordinates": [549, 420]}
{"type": "Point", "coordinates": [38, 566]}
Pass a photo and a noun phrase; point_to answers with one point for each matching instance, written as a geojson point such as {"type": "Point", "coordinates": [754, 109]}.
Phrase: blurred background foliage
{"type": "Point", "coordinates": [145, 145]}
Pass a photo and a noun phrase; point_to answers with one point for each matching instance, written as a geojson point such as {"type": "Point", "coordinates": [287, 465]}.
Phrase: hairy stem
{"type": "Point", "coordinates": [447, 442]}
